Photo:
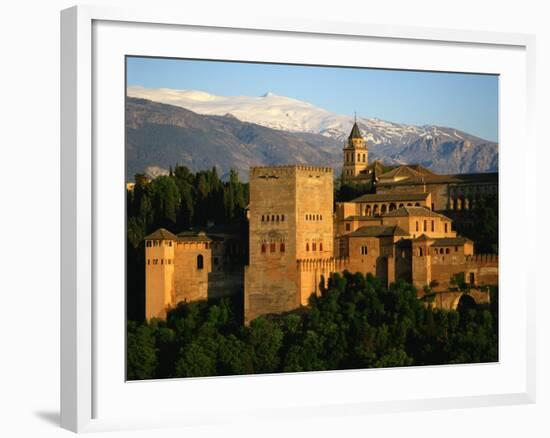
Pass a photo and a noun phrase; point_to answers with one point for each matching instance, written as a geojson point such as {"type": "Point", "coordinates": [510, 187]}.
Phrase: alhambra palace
{"type": "Point", "coordinates": [298, 238]}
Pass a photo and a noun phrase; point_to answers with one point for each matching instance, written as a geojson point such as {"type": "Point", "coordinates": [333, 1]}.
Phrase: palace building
{"type": "Point", "coordinates": [298, 237]}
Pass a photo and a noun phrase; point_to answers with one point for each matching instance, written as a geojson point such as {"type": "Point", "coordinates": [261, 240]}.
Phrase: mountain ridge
{"type": "Point", "coordinates": [162, 135]}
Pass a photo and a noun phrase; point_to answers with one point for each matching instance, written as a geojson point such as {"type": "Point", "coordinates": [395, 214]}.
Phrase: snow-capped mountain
{"type": "Point", "coordinates": [288, 114]}
{"type": "Point", "coordinates": [442, 149]}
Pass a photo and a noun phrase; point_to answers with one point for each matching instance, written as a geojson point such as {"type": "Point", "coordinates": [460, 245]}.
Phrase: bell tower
{"type": "Point", "coordinates": [356, 154]}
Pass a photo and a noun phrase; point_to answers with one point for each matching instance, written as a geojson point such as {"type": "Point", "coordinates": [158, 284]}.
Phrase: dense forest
{"type": "Point", "coordinates": [354, 323]}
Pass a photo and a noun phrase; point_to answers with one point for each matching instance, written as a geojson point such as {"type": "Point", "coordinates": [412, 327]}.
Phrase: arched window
{"type": "Point", "coordinates": [277, 217]}
{"type": "Point", "coordinates": [445, 227]}
{"type": "Point", "coordinates": [272, 247]}
{"type": "Point", "coordinates": [307, 246]}
{"type": "Point", "coordinates": [263, 218]}
{"type": "Point", "coordinates": [420, 252]}
{"type": "Point", "coordinates": [267, 218]}
{"type": "Point", "coordinates": [200, 262]}
{"type": "Point", "coordinates": [263, 248]}
{"type": "Point", "coordinates": [320, 246]}
{"type": "Point", "coordinates": [272, 218]}
{"type": "Point", "coordinates": [416, 225]}
{"type": "Point", "coordinates": [314, 246]}
{"type": "Point", "coordinates": [447, 250]}
{"type": "Point", "coordinates": [282, 247]}
{"type": "Point", "coordinates": [148, 243]}
{"type": "Point", "coordinates": [433, 226]}
{"type": "Point", "coordinates": [282, 218]}
{"type": "Point", "coordinates": [425, 225]}
{"type": "Point", "coordinates": [364, 250]}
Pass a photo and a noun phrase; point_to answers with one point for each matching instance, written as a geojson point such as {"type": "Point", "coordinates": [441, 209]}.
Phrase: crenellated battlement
{"type": "Point", "coordinates": [267, 171]}
{"type": "Point", "coordinates": [332, 264]}
{"type": "Point", "coordinates": [482, 259]}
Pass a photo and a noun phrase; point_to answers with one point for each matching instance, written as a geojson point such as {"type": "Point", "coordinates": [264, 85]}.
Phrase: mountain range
{"type": "Point", "coordinates": [201, 130]}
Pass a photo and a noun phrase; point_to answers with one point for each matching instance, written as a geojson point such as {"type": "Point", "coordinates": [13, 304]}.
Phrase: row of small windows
{"type": "Point", "coordinates": [314, 217]}
{"type": "Point", "coordinates": [160, 261]}
{"type": "Point", "coordinates": [152, 243]}
{"type": "Point", "coordinates": [361, 158]}
{"type": "Point", "coordinates": [425, 224]}
{"type": "Point", "coordinates": [200, 261]}
{"type": "Point", "coordinates": [272, 247]}
{"type": "Point", "coordinates": [438, 251]}
{"type": "Point", "coordinates": [274, 218]}
{"type": "Point", "coordinates": [314, 246]}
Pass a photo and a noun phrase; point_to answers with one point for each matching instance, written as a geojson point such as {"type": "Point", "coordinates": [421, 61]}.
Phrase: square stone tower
{"type": "Point", "coordinates": [290, 219]}
{"type": "Point", "coordinates": [159, 272]}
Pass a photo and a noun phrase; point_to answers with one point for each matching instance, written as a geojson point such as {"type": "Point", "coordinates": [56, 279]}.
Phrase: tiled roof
{"type": "Point", "coordinates": [476, 178]}
{"type": "Point", "coordinates": [407, 171]}
{"type": "Point", "coordinates": [450, 241]}
{"type": "Point", "coordinates": [161, 234]}
{"type": "Point", "coordinates": [355, 132]}
{"type": "Point", "coordinates": [413, 211]}
{"type": "Point", "coordinates": [388, 197]}
{"type": "Point", "coordinates": [378, 231]}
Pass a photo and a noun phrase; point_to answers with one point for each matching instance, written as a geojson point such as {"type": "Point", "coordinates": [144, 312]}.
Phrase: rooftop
{"type": "Point", "coordinates": [355, 132]}
{"type": "Point", "coordinates": [407, 171]}
{"type": "Point", "coordinates": [443, 241]}
{"type": "Point", "coordinates": [413, 211]}
{"type": "Point", "coordinates": [161, 234]}
{"type": "Point", "coordinates": [420, 175]}
{"type": "Point", "coordinates": [392, 197]}
{"type": "Point", "coordinates": [450, 241]}
{"type": "Point", "coordinates": [379, 231]}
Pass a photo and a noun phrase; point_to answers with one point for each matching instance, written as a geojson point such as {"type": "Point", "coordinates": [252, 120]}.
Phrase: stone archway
{"type": "Point", "coordinates": [463, 301]}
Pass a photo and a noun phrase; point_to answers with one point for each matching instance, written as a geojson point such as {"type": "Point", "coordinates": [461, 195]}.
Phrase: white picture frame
{"type": "Point", "coordinates": [84, 320]}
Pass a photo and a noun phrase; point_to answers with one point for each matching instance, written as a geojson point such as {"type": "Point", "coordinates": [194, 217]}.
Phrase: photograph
{"type": "Point", "coordinates": [285, 218]}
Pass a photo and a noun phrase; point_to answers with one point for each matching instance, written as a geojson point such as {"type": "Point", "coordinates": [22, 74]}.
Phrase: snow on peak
{"type": "Point", "coordinates": [286, 113]}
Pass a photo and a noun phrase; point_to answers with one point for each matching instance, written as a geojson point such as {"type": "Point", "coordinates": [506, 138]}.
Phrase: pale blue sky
{"type": "Point", "coordinates": [468, 102]}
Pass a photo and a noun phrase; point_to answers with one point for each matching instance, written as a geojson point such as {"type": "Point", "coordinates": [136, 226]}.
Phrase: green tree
{"type": "Point", "coordinates": [140, 352]}
{"type": "Point", "coordinates": [265, 338]}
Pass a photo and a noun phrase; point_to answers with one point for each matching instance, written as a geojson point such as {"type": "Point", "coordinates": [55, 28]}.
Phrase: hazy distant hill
{"type": "Point", "coordinates": [160, 135]}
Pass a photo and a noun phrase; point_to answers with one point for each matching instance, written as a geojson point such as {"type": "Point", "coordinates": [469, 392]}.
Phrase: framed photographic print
{"type": "Point", "coordinates": [324, 226]}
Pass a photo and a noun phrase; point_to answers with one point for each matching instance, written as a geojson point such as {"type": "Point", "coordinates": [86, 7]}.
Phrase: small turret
{"type": "Point", "coordinates": [356, 154]}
